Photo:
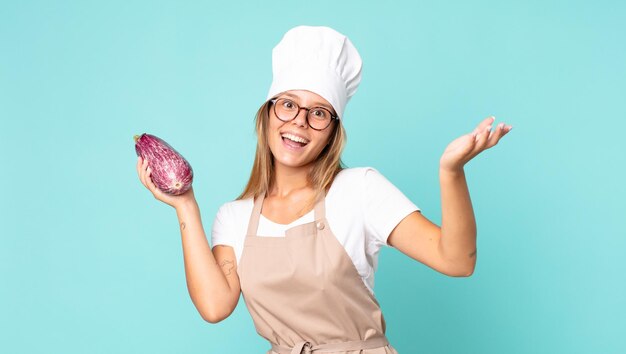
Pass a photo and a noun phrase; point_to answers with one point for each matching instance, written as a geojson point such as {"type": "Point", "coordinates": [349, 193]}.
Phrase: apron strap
{"type": "Point", "coordinates": [320, 207]}
{"type": "Point", "coordinates": [253, 224]}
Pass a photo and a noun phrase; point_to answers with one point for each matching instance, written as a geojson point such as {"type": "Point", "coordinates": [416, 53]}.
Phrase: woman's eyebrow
{"type": "Point", "coordinates": [315, 103]}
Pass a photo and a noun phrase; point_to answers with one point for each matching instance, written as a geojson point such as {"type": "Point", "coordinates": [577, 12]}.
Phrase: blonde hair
{"type": "Point", "coordinates": [327, 165]}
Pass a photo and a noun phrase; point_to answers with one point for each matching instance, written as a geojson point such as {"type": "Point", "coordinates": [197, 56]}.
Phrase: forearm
{"type": "Point", "coordinates": [458, 224]}
{"type": "Point", "coordinates": [206, 282]}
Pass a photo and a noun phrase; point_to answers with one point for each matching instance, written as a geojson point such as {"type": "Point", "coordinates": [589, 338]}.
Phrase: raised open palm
{"type": "Point", "coordinates": [466, 147]}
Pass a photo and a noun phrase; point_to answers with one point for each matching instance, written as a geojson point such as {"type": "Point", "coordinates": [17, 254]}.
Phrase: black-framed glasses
{"type": "Point", "coordinates": [318, 118]}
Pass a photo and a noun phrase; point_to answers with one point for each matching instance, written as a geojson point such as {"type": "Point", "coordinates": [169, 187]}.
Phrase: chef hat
{"type": "Point", "coordinates": [318, 59]}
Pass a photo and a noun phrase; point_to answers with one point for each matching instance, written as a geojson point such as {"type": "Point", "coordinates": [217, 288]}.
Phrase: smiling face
{"type": "Point", "coordinates": [294, 143]}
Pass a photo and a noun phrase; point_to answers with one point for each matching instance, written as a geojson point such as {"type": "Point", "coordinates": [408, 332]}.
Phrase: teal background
{"type": "Point", "coordinates": [90, 262]}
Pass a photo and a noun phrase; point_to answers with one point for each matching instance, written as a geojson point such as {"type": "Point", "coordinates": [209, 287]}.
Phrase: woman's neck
{"type": "Point", "coordinates": [289, 179]}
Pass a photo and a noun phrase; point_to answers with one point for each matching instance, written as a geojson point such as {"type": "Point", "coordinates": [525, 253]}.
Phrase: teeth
{"type": "Point", "coordinates": [294, 138]}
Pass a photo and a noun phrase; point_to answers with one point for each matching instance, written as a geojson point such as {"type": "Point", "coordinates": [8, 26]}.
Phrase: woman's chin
{"type": "Point", "coordinates": [291, 163]}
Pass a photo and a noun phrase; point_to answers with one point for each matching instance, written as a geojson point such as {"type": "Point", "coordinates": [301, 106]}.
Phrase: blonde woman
{"type": "Point", "coordinates": [301, 242]}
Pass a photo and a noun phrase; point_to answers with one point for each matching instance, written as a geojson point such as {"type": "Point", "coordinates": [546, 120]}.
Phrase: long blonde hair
{"type": "Point", "coordinates": [327, 165]}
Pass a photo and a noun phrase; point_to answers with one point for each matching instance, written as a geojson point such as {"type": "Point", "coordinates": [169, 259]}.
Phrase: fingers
{"type": "Point", "coordinates": [145, 176]}
{"type": "Point", "coordinates": [486, 138]}
{"type": "Point", "coordinates": [498, 133]}
{"type": "Point", "coordinates": [144, 173]}
{"type": "Point", "coordinates": [149, 182]}
{"type": "Point", "coordinates": [483, 125]}
{"type": "Point", "coordinates": [481, 136]}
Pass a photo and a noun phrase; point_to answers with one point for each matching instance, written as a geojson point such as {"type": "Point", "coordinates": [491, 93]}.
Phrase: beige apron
{"type": "Point", "coordinates": [304, 293]}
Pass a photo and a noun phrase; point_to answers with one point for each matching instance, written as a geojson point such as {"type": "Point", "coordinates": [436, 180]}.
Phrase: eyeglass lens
{"type": "Point", "coordinates": [317, 117]}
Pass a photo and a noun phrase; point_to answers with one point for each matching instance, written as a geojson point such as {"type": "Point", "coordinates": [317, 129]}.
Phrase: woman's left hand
{"type": "Point", "coordinates": [465, 147]}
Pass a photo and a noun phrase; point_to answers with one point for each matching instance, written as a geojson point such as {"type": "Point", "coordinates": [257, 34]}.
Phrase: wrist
{"type": "Point", "coordinates": [451, 172]}
{"type": "Point", "coordinates": [186, 205]}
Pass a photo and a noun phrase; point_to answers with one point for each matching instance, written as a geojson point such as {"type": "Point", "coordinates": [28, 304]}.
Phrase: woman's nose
{"type": "Point", "coordinates": [300, 118]}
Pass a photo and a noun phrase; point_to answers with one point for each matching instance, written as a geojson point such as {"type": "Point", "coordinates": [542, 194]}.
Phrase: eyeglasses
{"type": "Point", "coordinates": [318, 118]}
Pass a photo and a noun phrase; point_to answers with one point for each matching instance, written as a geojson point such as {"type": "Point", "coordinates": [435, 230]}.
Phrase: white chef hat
{"type": "Point", "coordinates": [318, 59]}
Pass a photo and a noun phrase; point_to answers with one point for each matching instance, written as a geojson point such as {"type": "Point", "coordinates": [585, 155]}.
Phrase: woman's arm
{"type": "Point", "coordinates": [212, 279]}
{"type": "Point", "coordinates": [458, 225]}
{"type": "Point", "coordinates": [451, 248]}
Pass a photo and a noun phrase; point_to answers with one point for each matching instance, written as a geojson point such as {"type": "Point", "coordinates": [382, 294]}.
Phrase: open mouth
{"type": "Point", "coordinates": [293, 141]}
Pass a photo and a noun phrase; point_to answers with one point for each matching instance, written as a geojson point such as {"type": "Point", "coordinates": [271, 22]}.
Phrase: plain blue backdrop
{"type": "Point", "coordinates": [90, 262]}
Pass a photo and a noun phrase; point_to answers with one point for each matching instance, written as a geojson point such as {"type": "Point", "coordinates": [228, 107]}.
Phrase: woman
{"type": "Point", "coordinates": [308, 281]}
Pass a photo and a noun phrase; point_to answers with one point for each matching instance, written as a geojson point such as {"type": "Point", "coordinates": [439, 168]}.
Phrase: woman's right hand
{"type": "Point", "coordinates": [173, 200]}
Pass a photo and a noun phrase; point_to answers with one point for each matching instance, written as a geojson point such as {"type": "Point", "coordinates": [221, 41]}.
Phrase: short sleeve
{"type": "Point", "coordinates": [221, 234]}
{"type": "Point", "coordinates": [384, 207]}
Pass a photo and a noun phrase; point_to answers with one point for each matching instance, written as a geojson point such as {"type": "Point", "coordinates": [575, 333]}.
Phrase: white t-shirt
{"type": "Point", "coordinates": [362, 208]}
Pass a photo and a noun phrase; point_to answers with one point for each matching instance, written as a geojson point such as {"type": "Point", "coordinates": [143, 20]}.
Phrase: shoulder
{"type": "Point", "coordinates": [229, 226]}
{"type": "Point", "coordinates": [368, 187]}
{"type": "Point", "coordinates": [355, 171]}
{"type": "Point", "coordinates": [355, 174]}
{"type": "Point", "coordinates": [357, 178]}
{"type": "Point", "coordinates": [351, 184]}
{"type": "Point", "coordinates": [234, 210]}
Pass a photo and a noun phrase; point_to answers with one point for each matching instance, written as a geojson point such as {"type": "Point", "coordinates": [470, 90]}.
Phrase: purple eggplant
{"type": "Point", "coordinates": [171, 173]}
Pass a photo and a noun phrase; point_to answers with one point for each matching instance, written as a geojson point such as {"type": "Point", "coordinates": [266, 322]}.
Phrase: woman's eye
{"type": "Point", "coordinates": [318, 113]}
{"type": "Point", "coordinates": [288, 104]}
